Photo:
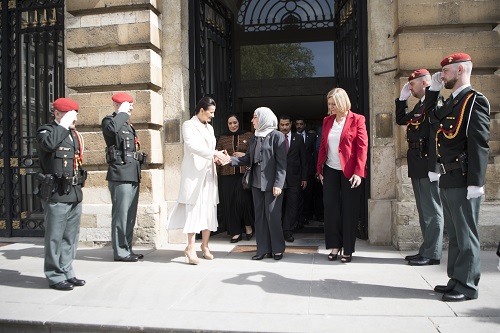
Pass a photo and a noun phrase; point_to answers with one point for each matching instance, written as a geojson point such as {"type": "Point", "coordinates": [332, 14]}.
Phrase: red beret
{"type": "Point", "coordinates": [65, 104]}
{"type": "Point", "coordinates": [418, 73]}
{"type": "Point", "coordinates": [122, 97]}
{"type": "Point", "coordinates": [454, 58]}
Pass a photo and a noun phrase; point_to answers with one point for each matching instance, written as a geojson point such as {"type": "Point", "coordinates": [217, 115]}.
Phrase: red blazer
{"type": "Point", "coordinates": [353, 145]}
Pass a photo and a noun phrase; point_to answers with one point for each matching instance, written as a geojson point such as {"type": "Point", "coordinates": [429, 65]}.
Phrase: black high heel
{"type": "Point", "coordinates": [236, 240]}
{"type": "Point", "coordinates": [278, 256]}
{"type": "Point", "coordinates": [249, 236]}
{"type": "Point", "coordinates": [262, 256]}
{"type": "Point", "coordinates": [333, 257]}
{"type": "Point", "coordinates": [346, 259]}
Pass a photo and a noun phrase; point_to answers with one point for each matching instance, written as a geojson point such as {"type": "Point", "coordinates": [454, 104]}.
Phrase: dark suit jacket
{"type": "Point", "coordinates": [353, 145]}
{"type": "Point", "coordinates": [462, 125]}
{"type": "Point", "coordinates": [273, 164]}
{"type": "Point", "coordinates": [117, 131]}
{"type": "Point", "coordinates": [296, 161]}
{"type": "Point", "coordinates": [310, 144]}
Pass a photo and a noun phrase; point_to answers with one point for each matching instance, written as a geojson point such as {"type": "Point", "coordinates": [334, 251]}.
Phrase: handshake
{"type": "Point", "coordinates": [221, 157]}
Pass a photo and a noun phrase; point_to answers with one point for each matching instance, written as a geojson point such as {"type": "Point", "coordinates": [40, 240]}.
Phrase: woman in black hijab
{"type": "Point", "coordinates": [235, 203]}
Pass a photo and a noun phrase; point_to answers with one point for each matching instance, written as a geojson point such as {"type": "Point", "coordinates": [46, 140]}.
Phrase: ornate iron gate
{"type": "Point", "coordinates": [211, 58]}
{"type": "Point", "coordinates": [32, 76]}
{"type": "Point", "coordinates": [351, 70]}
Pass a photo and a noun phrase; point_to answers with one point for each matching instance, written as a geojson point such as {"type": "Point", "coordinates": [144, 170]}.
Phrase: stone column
{"type": "Point", "coordinates": [175, 98]}
{"type": "Point", "coordinates": [114, 46]}
{"type": "Point", "coordinates": [421, 33]}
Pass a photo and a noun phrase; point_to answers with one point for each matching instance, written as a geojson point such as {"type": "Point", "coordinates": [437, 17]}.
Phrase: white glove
{"type": "Point", "coordinates": [125, 107]}
{"type": "Point", "coordinates": [68, 119]}
{"type": "Point", "coordinates": [433, 176]}
{"type": "Point", "coordinates": [405, 92]}
{"type": "Point", "coordinates": [474, 191]}
{"type": "Point", "coordinates": [436, 82]}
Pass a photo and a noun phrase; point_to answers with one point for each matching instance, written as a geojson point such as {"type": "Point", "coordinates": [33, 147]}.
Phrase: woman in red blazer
{"type": "Point", "coordinates": [341, 165]}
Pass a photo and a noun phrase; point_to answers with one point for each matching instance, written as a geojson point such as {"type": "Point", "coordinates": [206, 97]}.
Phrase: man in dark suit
{"type": "Point", "coordinates": [124, 175]}
{"type": "Point", "coordinates": [306, 194]}
{"type": "Point", "coordinates": [60, 148]}
{"type": "Point", "coordinates": [296, 175]}
{"type": "Point", "coordinates": [426, 192]}
{"type": "Point", "coordinates": [462, 127]}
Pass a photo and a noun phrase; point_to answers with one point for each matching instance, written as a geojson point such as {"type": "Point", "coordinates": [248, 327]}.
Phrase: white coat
{"type": "Point", "coordinates": [199, 150]}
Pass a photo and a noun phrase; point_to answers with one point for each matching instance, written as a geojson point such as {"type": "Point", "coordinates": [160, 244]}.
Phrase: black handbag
{"type": "Point", "coordinates": [246, 181]}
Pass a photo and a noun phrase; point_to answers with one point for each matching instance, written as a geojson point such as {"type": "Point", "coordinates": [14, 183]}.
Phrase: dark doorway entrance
{"type": "Point", "coordinates": [32, 70]}
{"type": "Point", "coordinates": [285, 55]}
{"type": "Point", "coordinates": [263, 78]}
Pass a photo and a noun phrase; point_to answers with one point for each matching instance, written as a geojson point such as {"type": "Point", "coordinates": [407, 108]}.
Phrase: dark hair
{"type": "Point", "coordinates": [233, 115]}
{"type": "Point", "coordinates": [285, 117]}
{"type": "Point", "coordinates": [203, 103]}
{"type": "Point", "coordinates": [301, 118]}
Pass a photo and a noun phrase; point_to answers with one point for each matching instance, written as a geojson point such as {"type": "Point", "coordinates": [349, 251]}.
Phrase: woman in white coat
{"type": "Point", "coordinates": [196, 208]}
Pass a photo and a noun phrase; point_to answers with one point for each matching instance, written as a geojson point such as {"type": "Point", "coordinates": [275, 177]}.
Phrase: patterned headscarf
{"type": "Point", "coordinates": [267, 121]}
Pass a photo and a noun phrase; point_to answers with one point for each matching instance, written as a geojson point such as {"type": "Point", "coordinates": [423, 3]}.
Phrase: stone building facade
{"type": "Point", "coordinates": [142, 47]}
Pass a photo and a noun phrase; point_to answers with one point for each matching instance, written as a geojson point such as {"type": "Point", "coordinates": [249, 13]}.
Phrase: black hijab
{"type": "Point", "coordinates": [238, 132]}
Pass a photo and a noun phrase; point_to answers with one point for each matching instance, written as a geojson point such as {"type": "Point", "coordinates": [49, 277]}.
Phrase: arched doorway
{"type": "Point", "coordinates": [282, 54]}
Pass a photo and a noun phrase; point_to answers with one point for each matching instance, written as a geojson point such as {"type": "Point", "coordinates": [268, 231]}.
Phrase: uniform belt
{"type": "Point", "coordinates": [447, 167]}
{"type": "Point", "coordinates": [134, 155]}
{"type": "Point", "coordinates": [77, 180]}
{"type": "Point", "coordinates": [413, 145]}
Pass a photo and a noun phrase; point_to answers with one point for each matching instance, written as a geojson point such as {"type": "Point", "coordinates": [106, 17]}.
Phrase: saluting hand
{"type": "Point", "coordinates": [436, 82]}
{"type": "Point", "coordinates": [405, 92]}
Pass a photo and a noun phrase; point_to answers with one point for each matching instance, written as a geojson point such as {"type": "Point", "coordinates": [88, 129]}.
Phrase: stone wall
{"type": "Point", "coordinates": [142, 47]}
{"type": "Point", "coordinates": [420, 33]}
{"type": "Point", "coordinates": [114, 46]}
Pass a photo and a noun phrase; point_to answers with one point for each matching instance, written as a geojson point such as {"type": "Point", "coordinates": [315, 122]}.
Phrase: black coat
{"type": "Point", "coordinates": [118, 132]}
{"type": "Point", "coordinates": [296, 161]}
{"type": "Point", "coordinates": [417, 136]}
{"type": "Point", "coordinates": [462, 125]}
{"type": "Point", "coordinates": [57, 153]}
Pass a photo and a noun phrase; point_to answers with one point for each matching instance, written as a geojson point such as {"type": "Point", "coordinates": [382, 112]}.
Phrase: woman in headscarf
{"type": "Point", "coordinates": [267, 158]}
{"type": "Point", "coordinates": [236, 207]}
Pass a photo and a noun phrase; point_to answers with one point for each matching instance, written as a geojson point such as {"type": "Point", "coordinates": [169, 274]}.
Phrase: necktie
{"type": "Point", "coordinates": [287, 144]}
{"type": "Point", "coordinates": [304, 136]}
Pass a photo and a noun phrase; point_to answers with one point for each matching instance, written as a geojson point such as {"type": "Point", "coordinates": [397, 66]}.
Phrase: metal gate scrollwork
{"type": "Point", "coordinates": [211, 58]}
{"type": "Point", "coordinates": [32, 69]}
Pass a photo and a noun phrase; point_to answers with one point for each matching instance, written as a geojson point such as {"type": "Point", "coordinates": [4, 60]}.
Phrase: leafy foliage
{"type": "Point", "coordinates": [276, 61]}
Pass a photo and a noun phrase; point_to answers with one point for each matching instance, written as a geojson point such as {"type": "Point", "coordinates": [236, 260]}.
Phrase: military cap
{"type": "Point", "coordinates": [454, 58]}
{"type": "Point", "coordinates": [65, 104]}
{"type": "Point", "coordinates": [122, 97]}
{"type": "Point", "coordinates": [418, 73]}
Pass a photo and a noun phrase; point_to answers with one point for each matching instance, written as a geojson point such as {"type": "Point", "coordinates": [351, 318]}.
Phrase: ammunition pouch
{"type": "Point", "coordinates": [111, 154]}
{"type": "Point", "coordinates": [46, 186]}
{"type": "Point", "coordinates": [420, 145]}
{"type": "Point", "coordinates": [143, 157]}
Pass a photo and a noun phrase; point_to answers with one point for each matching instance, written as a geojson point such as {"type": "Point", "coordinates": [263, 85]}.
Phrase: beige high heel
{"type": "Point", "coordinates": [206, 253]}
{"type": "Point", "coordinates": [191, 259]}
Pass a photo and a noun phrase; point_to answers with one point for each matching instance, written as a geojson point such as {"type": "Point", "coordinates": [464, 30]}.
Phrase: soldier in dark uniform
{"type": "Point", "coordinates": [60, 149]}
{"type": "Point", "coordinates": [461, 147]}
{"type": "Point", "coordinates": [124, 175]}
{"type": "Point", "coordinates": [426, 193]}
